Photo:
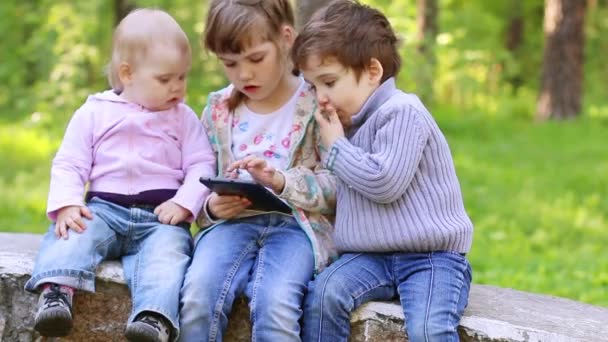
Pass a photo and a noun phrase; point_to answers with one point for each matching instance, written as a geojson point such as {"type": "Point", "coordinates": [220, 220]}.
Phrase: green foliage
{"type": "Point", "coordinates": [536, 193]}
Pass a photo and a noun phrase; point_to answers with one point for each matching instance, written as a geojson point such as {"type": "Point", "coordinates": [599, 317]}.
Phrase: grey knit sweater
{"type": "Point", "coordinates": [397, 186]}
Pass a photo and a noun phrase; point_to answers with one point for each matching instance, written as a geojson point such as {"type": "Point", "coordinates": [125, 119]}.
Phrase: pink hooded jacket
{"type": "Point", "coordinates": [120, 147]}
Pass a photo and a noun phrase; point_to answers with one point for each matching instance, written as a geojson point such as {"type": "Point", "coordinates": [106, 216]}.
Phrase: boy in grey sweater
{"type": "Point", "coordinates": [401, 225]}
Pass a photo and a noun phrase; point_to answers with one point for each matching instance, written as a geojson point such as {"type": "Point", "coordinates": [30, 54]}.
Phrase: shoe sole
{"type": "Point", "coordinates": [54, 324]}
{"type": "Point", "coordinates": [140, 334]}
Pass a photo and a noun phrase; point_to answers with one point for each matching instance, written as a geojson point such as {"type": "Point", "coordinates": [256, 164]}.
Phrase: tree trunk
{"type": "Point", "coordinates": [121, 9]}
{"type": "Point", "coordinates": [305, 10]}
{"type": "Point", "coordinates": [562, 77]}
{"type": "Point", "coordinates": [514, 37]}
{"type": "Point", "coordinates": [428, 29]}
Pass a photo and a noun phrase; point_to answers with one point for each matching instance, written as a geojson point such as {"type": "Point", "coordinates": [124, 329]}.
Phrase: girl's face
{"type": "Point", "coordinates": [259, 70]}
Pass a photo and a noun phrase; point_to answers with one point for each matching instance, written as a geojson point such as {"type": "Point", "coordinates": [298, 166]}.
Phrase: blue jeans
{"type": "Point", "coordinates": [154, 257]}
{"type": "Point", "coordinates": [268, 258]}
{"type": "Point", "coordinates": [433, 289]}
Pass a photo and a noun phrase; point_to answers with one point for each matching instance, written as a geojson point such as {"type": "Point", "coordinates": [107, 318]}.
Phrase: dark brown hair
{"type": "Point", "coordinates": [233, 25]}
{"type": "Point", "coordinates": [352, 33]}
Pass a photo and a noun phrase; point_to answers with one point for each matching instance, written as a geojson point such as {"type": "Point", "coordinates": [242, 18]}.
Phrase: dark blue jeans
{"type": "Point", "coordinates": [433, 289]}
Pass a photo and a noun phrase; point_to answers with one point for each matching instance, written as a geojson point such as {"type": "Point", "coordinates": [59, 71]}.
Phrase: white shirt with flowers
{"type": "Point", "coordinates": [266, 136]}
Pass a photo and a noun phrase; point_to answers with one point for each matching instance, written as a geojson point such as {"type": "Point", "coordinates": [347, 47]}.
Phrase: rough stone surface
{"type": "Point", "coordinates": [493, 314]}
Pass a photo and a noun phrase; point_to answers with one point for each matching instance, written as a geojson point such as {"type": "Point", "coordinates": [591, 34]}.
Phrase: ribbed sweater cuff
{"type": "Point", "coordinates": [342, 156]}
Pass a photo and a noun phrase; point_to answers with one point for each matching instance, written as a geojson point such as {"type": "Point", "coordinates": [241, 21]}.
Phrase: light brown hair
{"type": "Point", "coordinates": [234, 25]}
{"type": "Point", "coordinates": [137, 32]}
{"type": "Point", "coordinates": [352, 33]}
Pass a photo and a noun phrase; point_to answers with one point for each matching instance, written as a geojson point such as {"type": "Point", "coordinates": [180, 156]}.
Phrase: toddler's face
{"type": "Point", "coordinates": [337, 87]}
{"type": "Point", "coordinates": [159, 79]}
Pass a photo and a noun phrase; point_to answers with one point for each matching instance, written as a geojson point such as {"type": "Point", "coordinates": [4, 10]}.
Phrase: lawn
{"type": "Point", "coordinates": [535, 192]}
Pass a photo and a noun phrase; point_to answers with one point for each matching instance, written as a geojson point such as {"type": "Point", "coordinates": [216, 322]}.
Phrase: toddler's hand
{"type": "Point", "coordinates": [226, 207]}
{"type": "Point", "coordinates": [171, 213]}
{"type": "Point", "coordinates": [261, 172]}
{"type": "Point", "coordinates": [70, 217]}
{"type": "Point", "coordinates": [330, 126]}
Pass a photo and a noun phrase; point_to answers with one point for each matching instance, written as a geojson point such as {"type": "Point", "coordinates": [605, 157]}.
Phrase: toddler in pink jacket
{"type": "Point", "coordinates": [141, 151]}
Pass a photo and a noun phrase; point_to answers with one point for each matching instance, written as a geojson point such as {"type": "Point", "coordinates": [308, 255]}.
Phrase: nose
{"type": "Point", "coordinates": [322, 98]}
{"type": "Point", "coordinates": [245, 73]}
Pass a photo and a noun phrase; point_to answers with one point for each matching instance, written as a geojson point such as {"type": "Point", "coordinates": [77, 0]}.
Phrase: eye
{"type": "Point", "coordinates": [256, 59]}
{"type": "Point", "coordinates": [312, 87]}
{"type": "Point", "coordinates": [163, 80]}
{"type": "Point", "coordinates": [329, 84]}
{"type": "Point", "coordinates": [182, 77]}
{"type": "Point", "coordinates": [229, 64]}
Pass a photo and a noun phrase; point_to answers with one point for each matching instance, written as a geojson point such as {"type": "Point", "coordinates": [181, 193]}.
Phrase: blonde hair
{"type": "Point", "coordinates": [137, 32]}
{"type": "Point", "coordinates": [234, 25]}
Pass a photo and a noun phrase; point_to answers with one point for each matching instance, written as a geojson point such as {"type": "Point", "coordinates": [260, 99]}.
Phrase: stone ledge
{"type": "Point", "coordinates": [493, 314]}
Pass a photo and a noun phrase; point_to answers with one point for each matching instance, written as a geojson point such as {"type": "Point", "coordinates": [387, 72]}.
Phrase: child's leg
{"type": "Point", "coordinates": [351, 281]}
{"type": "Point", "coordinates": [154, 269]}
{"type": "Point", "coordinates": [218, 274]}
{"type": "Point", "coordinates": [65, 265]}
{"type": "Point", "coordinates": [276, 289]}
{"type": "Point", "coordinates": [434, 290]}
{"type": "Point", "coordinates": [72, 262]}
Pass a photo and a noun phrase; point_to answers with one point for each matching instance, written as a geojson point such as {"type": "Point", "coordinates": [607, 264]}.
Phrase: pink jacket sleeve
{"type": "Point", "coordinates": [198, 160]}
{"type": "Point", "coordinates": [72, 163]}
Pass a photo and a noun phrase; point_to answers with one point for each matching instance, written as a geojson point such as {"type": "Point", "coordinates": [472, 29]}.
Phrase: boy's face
{"type": "Point", "coordinates": [158, 80]}
{"type": "Point", "coordinates": [337, 87]}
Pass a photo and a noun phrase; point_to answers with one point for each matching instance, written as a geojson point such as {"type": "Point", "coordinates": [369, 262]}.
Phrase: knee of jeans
{"type": "Point", "coordinates": [329, 296]}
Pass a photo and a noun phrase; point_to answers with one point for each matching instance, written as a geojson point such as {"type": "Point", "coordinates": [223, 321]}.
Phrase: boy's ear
{"type": "Point", "coordinates": [125, 73]}
{"type": "Point", "coordinates": [375, 71]}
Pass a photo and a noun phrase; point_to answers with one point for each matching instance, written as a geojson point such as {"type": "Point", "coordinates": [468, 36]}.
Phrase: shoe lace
{"type": "Point", "coordinates": [55, 297]}
{"type": "Point", "coordinates": [155, 323]}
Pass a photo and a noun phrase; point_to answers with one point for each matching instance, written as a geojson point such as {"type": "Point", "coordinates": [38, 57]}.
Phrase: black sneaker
{"type": "Point", "coordinates": [148, 327]}
{"type": "Point", "coordinates": [54, 316]}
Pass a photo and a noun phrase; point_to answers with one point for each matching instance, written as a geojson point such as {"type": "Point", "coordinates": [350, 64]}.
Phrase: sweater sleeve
{"type": "Point", "coordinates": [204, 220]}
{"type": "Point", "coordinates": [311, 189]}
{"type": "Point", "coordinates": [198, 160]}
{"type": "Point", "coordinates": [383, 174]}
{"type": "Point", "coordinates": [73, 162]}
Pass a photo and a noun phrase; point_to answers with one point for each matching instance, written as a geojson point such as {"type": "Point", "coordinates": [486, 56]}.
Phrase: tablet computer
{"type": "Point", "coordinates": [261, 198]}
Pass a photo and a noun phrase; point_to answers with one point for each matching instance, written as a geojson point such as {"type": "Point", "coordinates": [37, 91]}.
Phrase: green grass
{"type": "Point", "coordinates": [536, 193]}
{"type": "Point", "coordinates": [537, 196]}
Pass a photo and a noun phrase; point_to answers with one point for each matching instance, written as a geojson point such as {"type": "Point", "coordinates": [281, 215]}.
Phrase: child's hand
{"type": "Point", "coordinates": [329, 125]}
{"type": "Point", "coordinates": [261, 172]}
{"type": "Point", "coordinates": [226, 207]}
{"type": "Point", "coordinates": [70, 217]}
{"type": "Point", "coordinates": [171, 213]}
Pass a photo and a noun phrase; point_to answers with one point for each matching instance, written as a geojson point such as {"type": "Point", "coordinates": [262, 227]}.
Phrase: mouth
{"type": "Point", "coordinates": [251, 88]}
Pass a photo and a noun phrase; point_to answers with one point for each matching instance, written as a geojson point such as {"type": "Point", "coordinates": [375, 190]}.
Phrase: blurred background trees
{"type": "Point", "coordinates": [499, 76]}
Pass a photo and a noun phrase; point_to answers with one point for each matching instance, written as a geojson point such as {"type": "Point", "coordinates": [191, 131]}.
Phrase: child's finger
{"type": "Point", "coordinates": [86, 212]}
{"type": "Point", "coordinates": [63, 231]}
{"type": "Point", "coordinates": [232, 174]}
{"type": "Point", "coordinates": [162, 218]}
{"type": "Point", "coordinates": [76, 224]}
{"type": "Point", "coordinates": [235, 165]}
{"type": "Point", "coordinates": [321, 120]}
{"type": "Point", "coordinates": [257, 162]}
{"type": "Point", "coordinates": [332, 117]}
{"type": "Point", "coordinates": [57, 230]}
